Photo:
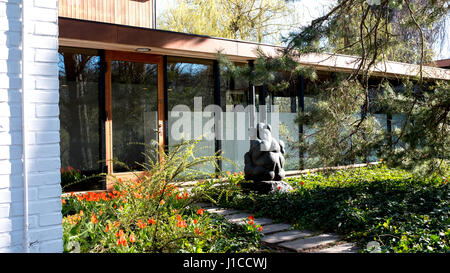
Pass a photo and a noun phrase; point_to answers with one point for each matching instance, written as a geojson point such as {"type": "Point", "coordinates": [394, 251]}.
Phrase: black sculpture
{"type": "Point", "coordinates": [264, 162]}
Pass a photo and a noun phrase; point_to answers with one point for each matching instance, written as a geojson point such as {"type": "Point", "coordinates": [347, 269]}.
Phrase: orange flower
{"type": "Point", "coordinates": [93, 218]}
{"type": "Point", "coordinates": [151, 221]}
{"type": "Point", "coordinates": [200, 212]}
{"type": "Point", "coordinates": [162, 202]}
{"type": "Point", "coordinates": [197, 231]}
{"type": "Point", "coordinates": [107, 228]}
{"type": "Point", "coordinates": [195, 221]}
{"type": "Point", "coordinates": [132, 238]}
{"type": "Point", "coordinates": [122, 241]}
{"type": "Point", "coordinates": [116, 223]}
{"type": "Point", "coordinates": [179, 217]}
{"type": "Point", "coordinates": [260, 229]}
{"type": "Point", "coordinates": [181, 224]}
{"type": "Point", "coordinates": [240, 173]}
{"type": "Point", "coordinates": [228, 173]}
{"type": "Point", "coordinates": [120, 233]}
{"type": "Point", "coordinates": [141, 224]}
{"type": "Point", "coordinates": [63, 201]}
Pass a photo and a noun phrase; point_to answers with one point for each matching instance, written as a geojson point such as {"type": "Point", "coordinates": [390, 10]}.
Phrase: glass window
{"type": "Point", "coordinates": [190, 89]}
{"type": "Point", "coordinates": [286, 101]}
{"type": "Point", "coordinates": [79, 107]}
{"type": "Point", "coordinates": [134, 88]}
{"type": "Point", "coordinates": [235, 140]}
{"type": "Point", "coordinates": [187, 79]}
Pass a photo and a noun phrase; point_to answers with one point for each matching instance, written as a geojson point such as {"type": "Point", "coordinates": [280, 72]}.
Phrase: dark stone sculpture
{"type": "Point", "coordinates": [264, 162]}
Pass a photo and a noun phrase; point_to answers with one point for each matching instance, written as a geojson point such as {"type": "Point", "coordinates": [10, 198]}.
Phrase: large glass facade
{"type": "Point", "coordinates": [235, 122]}
{"type": "Point", "coordinates": [286, 103]}
{"type": "Point", "coordinates": [193, 99]}
{"type": "Point", "coordinates": [281, 108]}
{"type": "Point", "coordinates": [134, 88]}
{"type": "Point", "coordinates": [79, 105]}
{"type": "Point", "coordinates": [190, 89]}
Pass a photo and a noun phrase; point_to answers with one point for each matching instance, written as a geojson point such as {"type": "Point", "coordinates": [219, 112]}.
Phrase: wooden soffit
{"type": "Point", "coordinates": [81, 33]}
{"type": "Point", "coordinates": [97, 35]}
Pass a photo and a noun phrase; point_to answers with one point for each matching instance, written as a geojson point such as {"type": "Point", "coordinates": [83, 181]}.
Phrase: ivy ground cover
{"type": "Point", "coordinates": [392, 207]}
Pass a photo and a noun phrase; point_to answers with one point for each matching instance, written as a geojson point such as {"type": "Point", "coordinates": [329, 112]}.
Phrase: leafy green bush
{"type": "Point", "coordinates": [391, 206]}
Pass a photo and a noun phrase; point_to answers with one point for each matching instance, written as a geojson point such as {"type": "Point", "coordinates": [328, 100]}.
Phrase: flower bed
{"type": "Point", "coordinates": [136, 217]}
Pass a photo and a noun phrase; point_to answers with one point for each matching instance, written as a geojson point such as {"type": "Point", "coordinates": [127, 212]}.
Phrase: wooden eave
{"type": "Point", "coordinates": [89, 34]}
{"type": "Point", "coordinates": [97, 35]}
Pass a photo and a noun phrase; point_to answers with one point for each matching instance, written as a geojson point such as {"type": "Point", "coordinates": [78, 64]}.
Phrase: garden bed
{"type": "Point", "coordinates": [401, 212]}
{"type": "Point", "coordinates": [137, 217]}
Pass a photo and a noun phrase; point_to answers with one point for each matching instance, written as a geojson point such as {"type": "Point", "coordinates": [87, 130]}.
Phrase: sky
{"type": "Point", "coordinates": [307, 10]}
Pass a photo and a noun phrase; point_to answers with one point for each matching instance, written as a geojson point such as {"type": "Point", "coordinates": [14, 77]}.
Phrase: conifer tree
{"type": "Point", "coordinates": [341, 120]}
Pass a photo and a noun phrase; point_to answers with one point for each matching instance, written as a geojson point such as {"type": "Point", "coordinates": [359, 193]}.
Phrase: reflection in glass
{"type": "Point", "coordinates": [234, 98]}
{"type": "Point", "coordinates": [79, 104]}
{"type": "Point", "coordinates": [134, 108]}
{"type": "Point", "coordinates": [288, 129]}
{"type": "Point", "coordinates": [188, 79]}
{"type": "Point", "coordinates": [80, 118]}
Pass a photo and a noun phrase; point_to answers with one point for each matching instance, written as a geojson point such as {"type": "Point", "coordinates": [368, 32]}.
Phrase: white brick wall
{"type": "Point", "coordinates": [42, 125]}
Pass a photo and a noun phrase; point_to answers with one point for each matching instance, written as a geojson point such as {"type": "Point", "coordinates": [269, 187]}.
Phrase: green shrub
{"type": "Point", "coordinates": [401, 212]}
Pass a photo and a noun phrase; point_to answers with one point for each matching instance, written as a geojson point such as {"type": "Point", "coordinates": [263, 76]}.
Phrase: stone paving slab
{"type": "Point", "coordinates": [268, 229]}
{"type": "Point", "coordinates": [285, 236]}
{"type": "Point", "coordinates": [203, 205]}
{"type": "Point", "coordinates": [343, 248]}
{"type": "Point", "coordinates": [216, 210]}
{"type": "Point", "coordinates": [276, 233]}
{"type": "Point", "coordinates": [226, 212]}
{"type": "Point", "coordinates": [240, 218]}
{"type": "Point", "coordinates": [262, 221]}
{"type": "Point", "coordinates": [257, 221]}
{"type": "Point", "coordinates": [311, 242]}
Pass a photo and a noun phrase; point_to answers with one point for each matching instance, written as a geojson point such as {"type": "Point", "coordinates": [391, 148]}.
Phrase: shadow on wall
{"type": "Point", "coordinates": [11, 187]}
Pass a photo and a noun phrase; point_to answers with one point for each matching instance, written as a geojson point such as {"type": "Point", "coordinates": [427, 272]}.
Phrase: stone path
{"type": "Point", "coordinates": [283, 237]}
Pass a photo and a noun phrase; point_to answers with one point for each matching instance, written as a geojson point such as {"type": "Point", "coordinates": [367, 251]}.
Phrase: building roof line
{"type": "Point", "coordinates": [83, 33]}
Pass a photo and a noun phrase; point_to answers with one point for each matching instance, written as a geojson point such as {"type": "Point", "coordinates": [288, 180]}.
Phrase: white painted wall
{"type": "Point", "coordinates": [44, 229]}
